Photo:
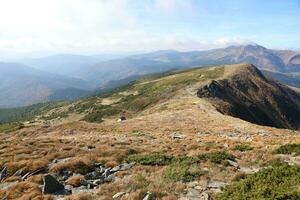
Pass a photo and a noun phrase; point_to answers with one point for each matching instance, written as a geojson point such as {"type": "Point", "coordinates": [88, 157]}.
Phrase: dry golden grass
{"type": "Point", "coordinates": [75, 181]}
{"type": "Point", "coordinates": [204, 129]}
{"type": "Point", "coordinates": [80, 196]}
{"type": "Point", "coordinates": [26, 191]}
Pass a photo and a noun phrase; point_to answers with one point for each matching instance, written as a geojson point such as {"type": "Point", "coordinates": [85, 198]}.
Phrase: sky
{"type": "Point", "coordinates": [95, 26]}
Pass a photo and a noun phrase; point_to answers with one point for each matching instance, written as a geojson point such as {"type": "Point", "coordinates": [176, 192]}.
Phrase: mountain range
{"type": "Point", "coordinates": [68, 77]}
{"type": "Point", "coordinates": [22, 85]}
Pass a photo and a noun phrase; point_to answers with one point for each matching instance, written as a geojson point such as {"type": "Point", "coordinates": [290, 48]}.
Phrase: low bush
{"type": "Point", "coordinates": [219, 157]}
{"type": "Point", "coordinates": [94, 117]}
{"type": "Point", "coordinates": [150, 159]}
{"type": "Point", "coordinates": [10, 127]}
{"type": "Point", "coordinates": [288, 149]}
{"type": "Point", "coordinates": [243, 147]}
{"type": "Point", "coordinates": [280, 181]}
{"type": "Point", "coordinates": [183, 169]}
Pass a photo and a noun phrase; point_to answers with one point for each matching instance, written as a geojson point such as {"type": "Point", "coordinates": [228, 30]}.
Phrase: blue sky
{"type": "Point", "coordinates": [94, 26]}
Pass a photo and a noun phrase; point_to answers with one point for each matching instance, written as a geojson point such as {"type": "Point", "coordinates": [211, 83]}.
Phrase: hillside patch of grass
{"type": "Point", "coordinates": [219, 157]}
{"type": "Point", "coordinates": [150, 159]}
{"type": "Point", "coordinates": [288, 149]}
{"type": "Point", "coordinates": [280, 182]}
{"type": "Point", "coordinates": [10, 127]}
{"type": "Point", "coordinates": [243, 147]}
{"type": "Point", "coordinates": [183, 169]}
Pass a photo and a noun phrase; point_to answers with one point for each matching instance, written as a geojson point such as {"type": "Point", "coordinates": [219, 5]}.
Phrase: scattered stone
{"type": "Point", "coordinates": [122, 167]}
{"type": "Point", "coordinates": [205, 196]}
{"type": "Point", "coordinates": [119, 194]}
{"type": "Point", "coordinates": [97, 182]}
{"type": "Point", "coordinates": [51, 185]}
{"type": "Point", "coordinates": [216, 184]}
{"type": "Point", "coordinates": [122, 118]}
{"type": "Point", "coordinates": [194, 194]}
{"type": "Point", "coordinates": [5, 186]}
{"type": "Point", "coordinates": [176, 135]}
{"type": "Point", "coordinates": [27, 175]}
{"type": "Point", "coordinates": [69, 188]}
{"type": "Point", "coordinates": [234, 164]}
{"type": "Point", "coordinates": [110, 178]}
{"type": "Point", "coordinates": [147, 197]}
{"type": "Point", "coordinates": [248, 170]}
{"type": "Point", "coordinates": [3, 173]}
{"type": "Point", "coordinates": [247, 138]}
{"type": "Point", "coordinates": [19, 172]}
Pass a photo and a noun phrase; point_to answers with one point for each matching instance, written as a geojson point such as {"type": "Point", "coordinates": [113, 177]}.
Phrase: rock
{"type": "Point", "coordinates": [193, 192]}
{"type": "Point", "coordinates": [119, 194]}
{"type": "Point", "coordinates": [204, 196]}
{"type": "Point", "coordinates": [27, 175]}
{"type": "Point", "coordinates": [98, 182]}
{"type": "Point", "coordinates": [5, 186]}
{"type": "Point", "coordinates": [92, 175]}
{"type": "Point", "coordinates": [122, 118]}
{"type": "Point", "coordinates": [122, 167]}
{"type": "Point", "coordinates": [110, 178]}
{"type": "Point", "coordinates": [232, 163]}
{"type": "Point", "coordinates": [98, 165]}
{"type": "Point", "coordinates": [248, 170]}
{"type": "Point", "coordinates": [69, 187]}
{"type": "Point", "coordinates": [19, 172]}
{"type": "Point", "coordinates": [51, 185]}
{"type": "Point", "coordinates": [216, 184]}
{"type": "Point", "coordinates": [147, 197]}
{"type": "Point", "coordinates": [3, 173]}
{"type": "Point", "coordinates": [176, 136]}
{"type": "Point", "coordinates": [106, 173]}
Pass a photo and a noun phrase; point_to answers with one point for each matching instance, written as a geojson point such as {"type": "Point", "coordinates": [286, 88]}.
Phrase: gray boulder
{"type": "Point", "coordinates": [52, 186]}
{"type": "Point", "coordinates": [3, 173]}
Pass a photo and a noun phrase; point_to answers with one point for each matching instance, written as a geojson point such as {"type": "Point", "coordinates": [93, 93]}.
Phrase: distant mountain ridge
{"type": "Point", "coordinates": [69, 77]}
{"type": "Point", "coordinates": [22, 85]}
{"type": "Point", "coordinates": [265, 59]}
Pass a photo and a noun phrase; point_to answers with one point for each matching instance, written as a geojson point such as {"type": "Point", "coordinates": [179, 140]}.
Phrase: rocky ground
{"type": "Point", "coordinates": [181, 148]}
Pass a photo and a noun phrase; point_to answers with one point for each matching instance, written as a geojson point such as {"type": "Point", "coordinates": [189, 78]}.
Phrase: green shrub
{"type": "Point", "coordinates": [288, 149]}
{"type": "Point", "coordinates": [280, 182]}
{"type": "Point", "coordinates": [219, 157]}
{"type": "Point", "coordinates": [243, 147]}
{"type": "Point", "coordinates": [10, 127]}
{"type": "Point", "coordinates": [184, 169]}
{"type": "Point", "coordinates": [94, 117]}
{"type": "Point", "coordinates": [150, 159]}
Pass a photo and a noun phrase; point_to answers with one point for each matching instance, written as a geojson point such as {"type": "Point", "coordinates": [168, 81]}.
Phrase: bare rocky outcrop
{"type": "Point", "coordinates": [245, 93]}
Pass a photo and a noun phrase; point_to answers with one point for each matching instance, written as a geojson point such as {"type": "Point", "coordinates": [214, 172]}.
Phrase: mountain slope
{"type": "Point", "coordinates": [171, 139]}
{"type": "Point", "coordinates": [245, 93]}
{"type": "Point", "coordinates": [21, 85]}
{"type": "Point", "coordinates": [238, 90]}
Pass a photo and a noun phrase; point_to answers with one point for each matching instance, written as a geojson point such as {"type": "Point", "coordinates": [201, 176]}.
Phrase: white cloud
{"type": "Point", "coordinates": [89, 26]}
{"type": "Point", "coordinates": [173, 6]}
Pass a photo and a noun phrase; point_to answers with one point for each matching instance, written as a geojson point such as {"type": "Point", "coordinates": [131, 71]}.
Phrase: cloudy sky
{"type": "Point", "coordinates": [92, 26]}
